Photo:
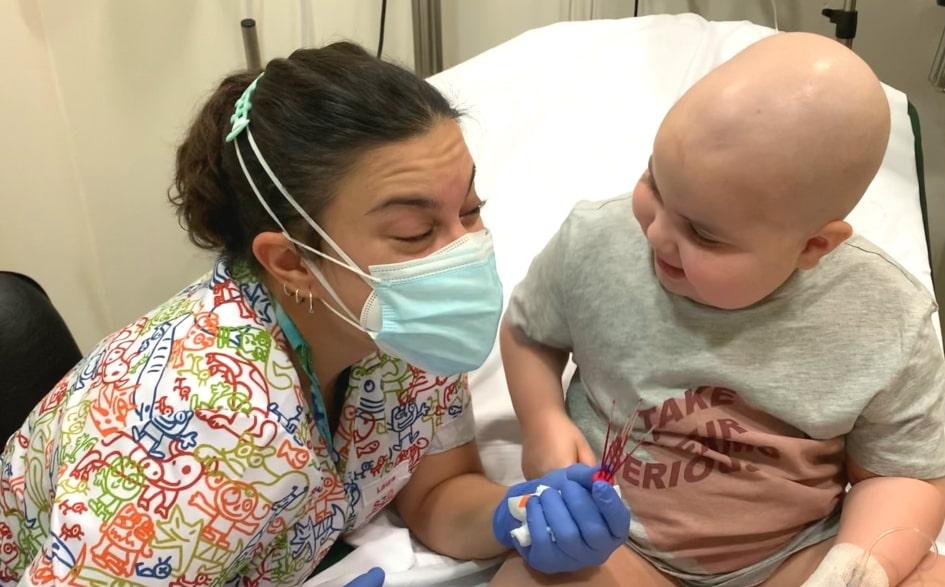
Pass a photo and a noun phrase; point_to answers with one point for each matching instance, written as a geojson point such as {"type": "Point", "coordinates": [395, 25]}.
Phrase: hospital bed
{"type": "Point", "coordinates": [569, 112]}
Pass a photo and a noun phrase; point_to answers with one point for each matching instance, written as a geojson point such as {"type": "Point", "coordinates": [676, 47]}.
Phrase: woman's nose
{"type": "Point", "coordinates": [454, 230]}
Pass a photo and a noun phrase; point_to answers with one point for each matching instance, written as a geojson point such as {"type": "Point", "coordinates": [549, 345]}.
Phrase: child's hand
{"type": "Point", "coordinates": [551, 443]}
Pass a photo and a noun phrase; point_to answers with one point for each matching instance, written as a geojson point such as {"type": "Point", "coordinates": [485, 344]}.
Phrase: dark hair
{"type": "Point", "coordinates": [312, 115]}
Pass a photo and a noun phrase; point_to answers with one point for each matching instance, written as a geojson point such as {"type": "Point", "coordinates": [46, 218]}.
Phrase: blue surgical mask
{"type": "Point", "coordinates": [439, 313]}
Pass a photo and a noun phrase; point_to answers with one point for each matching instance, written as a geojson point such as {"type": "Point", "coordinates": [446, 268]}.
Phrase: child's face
{"type": "Point", "coordinates": [756, 165]}
{"type": "Point", "coordinates": [713, 241]}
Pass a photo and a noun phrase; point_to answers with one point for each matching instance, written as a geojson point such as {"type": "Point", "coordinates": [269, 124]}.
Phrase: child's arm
{"type": "Point", "coordinates": [876, 505]}
{"type": "Point", "coordinates": [550, 440]}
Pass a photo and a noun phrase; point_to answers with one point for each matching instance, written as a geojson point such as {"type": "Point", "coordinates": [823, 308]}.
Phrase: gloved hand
{"type": "Point", "coordinates": [576, 523]}
{"type": "Point", "coordinates": [372, 578]}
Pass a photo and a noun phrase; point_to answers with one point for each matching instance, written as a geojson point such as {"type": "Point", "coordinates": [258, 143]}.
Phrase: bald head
{"type": "Point", "coordinates": [796, 122]}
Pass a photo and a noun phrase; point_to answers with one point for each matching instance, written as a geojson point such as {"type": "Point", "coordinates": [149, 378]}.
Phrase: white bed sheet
{"type": "Point", "coordinates": [568, 112]}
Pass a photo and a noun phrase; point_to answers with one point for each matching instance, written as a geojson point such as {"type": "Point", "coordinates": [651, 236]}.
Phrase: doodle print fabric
{"type": "Point", "coordinates": [182, 451]}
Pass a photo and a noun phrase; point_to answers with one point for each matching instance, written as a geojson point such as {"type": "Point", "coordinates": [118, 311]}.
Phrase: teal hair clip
{"type": "Point", "coordinates": [240, 118]}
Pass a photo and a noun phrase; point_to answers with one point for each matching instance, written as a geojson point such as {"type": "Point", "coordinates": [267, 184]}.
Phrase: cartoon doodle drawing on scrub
{"type": "Point", "coordinates": [362, 474]}
{"type": "Point", "coordinates": [52, 399]}
{"type": "Point", "coordinates": [120, 481]}
{"type": "Point", "coordinates": [199, 581]}
{"type": "Point", "coordinates": [125, 540]}
{"type": "Point", "coordinates": [30, 538]}
{"type": "Point", "coordinates": [114, 400]}
{"type": "Point", "coordinates": [198, 369]}
{"type": "Point", "coordinates": [165, 426]}
{"type": "Point", "coordinates": [253, 294]}
{"type": "Point", "coordinates": [213, 558]}
{"type": "Point", "coordinates": [236, 507]}
{"type": "Point", "coordinates": [58, 564]}
{"type": "Point", "coordinates": [159, 345]}
{"type": "Point", "coordinates": [166, 479]}
{"type": "Point", "coordinates": [291, 425]}
{"type": "Point", "coordinates": [247, 385]}
{"type": "Point", "coordinates": [447, 400]}
{"type": "Point", "coordinates": [85, 371]}
{"type": "Point", "coordinates": [303, 540]}
{"type": "Point", "coordinates": [175, 536]}
{"type": "Point", "coordinates": [295, 496]}
{"type": "Point", "coordinates": [353, 491]}
{"type": "Point", "coordinates": [155, 419]}
{"type": "Point", "coordinates": [371, 401]}
{"type": "Point", "coordinates": [74, 440]}
{"type": "Point", "coordinates": [413, 454]}
{"type": "Point", "coordinates": [11, 565]}
{"type": "Point", "coordinates": [173, 309]}
{"type": "Point", "coordinates": [403, 417]}
{"type": "Point", "coordinates": [99, 456]}
{"type": "Point", "coordinates": [181, 388]}
{"type": "Point", "coordinates": [329, 524]}
{"type": "Point", "coordinates": [67, 489]}
{"type": "Point", "coordinates": [228, 291]}
{"type": "Point", "coordinates": [73, 532]}
{"type": "Point", "coordinates": [235, 462]}
{"type": "Point", "coordinates": [297, 458]}
{"type": "Point", "coordinates": [161, 570]}
{"type": "Point", "coordinates": [160, 479]}
{"type": "Point", "coordinates": [362, 424]}
{"type": "Point", "coordinates": [249, 342]}
{"type": "Point", "coordinates": [420, 382]}
{"type": "Point", "coordinates": [324, 497]}
{"type": "Point", "coordinates": [201, 335]}
{"type": "Point", "coordinates": [254, 426]}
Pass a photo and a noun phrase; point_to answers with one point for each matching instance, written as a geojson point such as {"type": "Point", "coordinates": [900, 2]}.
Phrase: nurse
{"type": "Point", "coordinates": [315, 375]}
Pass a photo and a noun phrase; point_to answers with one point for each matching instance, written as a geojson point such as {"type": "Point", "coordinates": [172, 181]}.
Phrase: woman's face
{"type": "Point", "coordinates": [399, 202]}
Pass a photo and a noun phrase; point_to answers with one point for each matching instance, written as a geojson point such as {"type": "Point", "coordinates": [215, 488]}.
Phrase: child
{"type": "Point", "coordinates": [773, 355]}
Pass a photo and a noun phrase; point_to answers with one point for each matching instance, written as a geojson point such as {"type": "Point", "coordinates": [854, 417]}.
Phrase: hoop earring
{"type": "Point", "coordinates": [285, 289]}
{"type": "Point", "coordinates": [298, 300]}
{"type": "Point", "coordinates": [311, 308]}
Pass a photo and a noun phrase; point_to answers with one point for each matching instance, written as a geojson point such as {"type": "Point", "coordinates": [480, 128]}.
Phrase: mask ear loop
{"type": "Point", "coordinates": [861, 566]}
{"type": "Point", "coordinates": [315, 270]}
{"type": "Point", "coordinates": [348, 261]}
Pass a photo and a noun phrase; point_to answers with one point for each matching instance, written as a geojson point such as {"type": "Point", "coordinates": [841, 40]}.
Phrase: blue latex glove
{"type": "Point", "coordinates": [372, 578]}
{"type": "Point", "coordinates": [576, 524]}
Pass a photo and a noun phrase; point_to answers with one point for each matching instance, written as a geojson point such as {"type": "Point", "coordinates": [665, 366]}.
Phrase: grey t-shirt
{"type": "Point", "coordinates": [755, 409]}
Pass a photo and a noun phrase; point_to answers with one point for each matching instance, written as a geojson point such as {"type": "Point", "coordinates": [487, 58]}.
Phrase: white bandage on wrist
{"type": "Point", "coordinates": [517, 509]}
{"type": "Point", "coordinates": [846, 566]}
{"type": "Point", "coordinates": [516, 506]}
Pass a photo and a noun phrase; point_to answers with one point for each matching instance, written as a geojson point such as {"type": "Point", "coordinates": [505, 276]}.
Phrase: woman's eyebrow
{"type": "Point", "coordinates": [416, 200]}
{"type": "Point", "coordinates": [423, 202]}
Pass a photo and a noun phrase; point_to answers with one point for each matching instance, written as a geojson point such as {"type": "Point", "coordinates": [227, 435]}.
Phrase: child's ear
{"type": "Point", "coordinates": [828, 238]}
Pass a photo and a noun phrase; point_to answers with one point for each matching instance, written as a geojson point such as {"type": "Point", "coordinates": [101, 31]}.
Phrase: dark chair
{"type": "Point", "coordinates": [36, 349]}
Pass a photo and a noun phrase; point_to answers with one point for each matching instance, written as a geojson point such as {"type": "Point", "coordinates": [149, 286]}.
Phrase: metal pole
{"type": "Point", "coordinates": [845, 18]}
{"type": "Point", "coordinates": [937, 71]}
{"type": "Point", "coordinates": [251, 44]}
{"type": "Point", "coordinates": [427, 37]}
{"type": "Point", "coordinates": [849, 6]}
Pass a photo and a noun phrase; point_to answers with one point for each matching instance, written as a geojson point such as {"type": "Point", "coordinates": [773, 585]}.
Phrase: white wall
{"type": "Point", "coordinates": [45, 229]}
{"type": "Point", "coordinates": [100, 95]}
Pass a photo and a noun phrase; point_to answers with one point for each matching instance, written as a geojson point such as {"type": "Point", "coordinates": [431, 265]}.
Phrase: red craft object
{"type": "Point", "coordinates": [615, 448]}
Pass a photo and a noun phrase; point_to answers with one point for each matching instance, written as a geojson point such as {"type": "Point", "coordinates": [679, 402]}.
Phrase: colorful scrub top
{"type": "Point", "coordinates": [183, 451]}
